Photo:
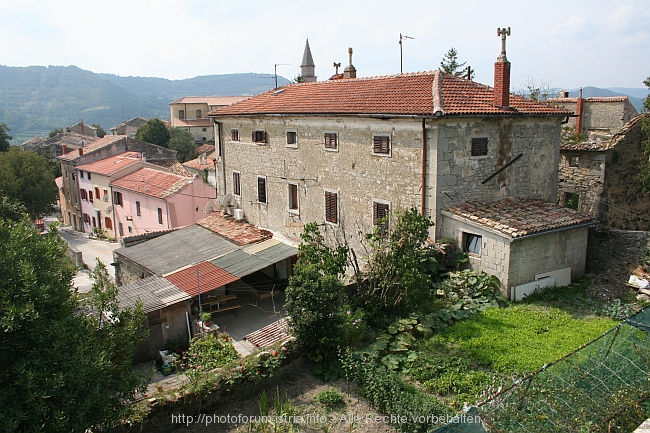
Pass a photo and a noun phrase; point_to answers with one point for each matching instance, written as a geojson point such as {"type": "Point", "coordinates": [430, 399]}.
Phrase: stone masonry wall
{"type": "Point", "coordinates": [352, 171]}
{"type": "Point", "coordinates": [458, 176]}
{"type": "Point", "coordinates": [127, 271]}
{"type": "Point", "coordinates": [586, 178]}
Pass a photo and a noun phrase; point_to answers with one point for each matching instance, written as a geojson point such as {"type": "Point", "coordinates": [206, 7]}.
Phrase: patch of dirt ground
{"type": "Point", "coordinates": [298, 391]}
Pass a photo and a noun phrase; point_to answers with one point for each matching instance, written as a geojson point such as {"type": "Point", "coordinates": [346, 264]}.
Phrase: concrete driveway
{"type": "Point", "coordinates": [91, 250]}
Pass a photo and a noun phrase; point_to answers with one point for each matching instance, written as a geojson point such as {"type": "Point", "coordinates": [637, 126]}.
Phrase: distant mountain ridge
{"type": "Point", "coordinates": [37, 99]}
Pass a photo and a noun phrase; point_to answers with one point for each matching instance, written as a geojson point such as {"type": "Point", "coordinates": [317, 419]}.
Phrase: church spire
{"type": "Point", "coordinates": [307, 67]}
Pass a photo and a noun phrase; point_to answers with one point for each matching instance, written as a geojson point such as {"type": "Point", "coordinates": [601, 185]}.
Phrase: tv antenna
{"type": "Point", "coordinates": [401, 38]}
{"type": "Point", "coordinates": [275, 72]}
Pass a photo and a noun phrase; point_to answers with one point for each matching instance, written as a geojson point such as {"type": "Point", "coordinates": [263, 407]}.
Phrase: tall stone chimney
{"type": "Point", "coordinates": [350, 71]}
{"type": "Point", "coordinates": [579, 109]}
{"type": "Point", "coordinates": [502, 73]}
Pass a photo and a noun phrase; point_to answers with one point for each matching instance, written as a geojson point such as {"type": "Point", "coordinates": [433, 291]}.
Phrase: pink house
{"type": "Point", "coordinates": [149, 200]}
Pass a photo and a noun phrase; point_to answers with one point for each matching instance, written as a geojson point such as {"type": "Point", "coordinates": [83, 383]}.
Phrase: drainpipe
{"type": "Point", "coordinates": [424, 164]}
{"type": "Point", "coordinates": [222, 151]}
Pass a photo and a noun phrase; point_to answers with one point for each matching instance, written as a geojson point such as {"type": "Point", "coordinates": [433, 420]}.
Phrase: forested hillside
{"type": "Point", "coordinates": [36, 99]}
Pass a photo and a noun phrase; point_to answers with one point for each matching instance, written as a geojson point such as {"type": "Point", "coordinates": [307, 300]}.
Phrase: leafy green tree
{"type": "Point", "coordinates": [315, 297]}
{"type": "Point", "coordinates": [155, 132]}
{"type": "Point", "coordinates": [182, 142]}
{"type": "Point", "coordinates": [11, 209]}
{"type": "Point", "coordinates": [644, 175]}
{"type": "Point", "coordinates": [55, 132]}
{"type": "Point", "coordinates": [64, 369]}
{"type": "Point", "coordinates": [100, 131]}
{"type": "Point", "coordinates": [5, 138]}
{"type": "Point", "coordinates": [27, 178]}
{"type": "Point", "coordinates": [646, 102]}
{"type": "Point", "coordinates": [451, 65]}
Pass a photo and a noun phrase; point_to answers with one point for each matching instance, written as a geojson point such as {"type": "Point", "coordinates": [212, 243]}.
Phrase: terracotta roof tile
{"type": "Point", "coordinates": [240, 232]}
{"type": "Point", "coordinates": [204, 122]}
{"type": "Point", "coordinates": [210, 100]}
{"type": "Point", "coordinates": [155, 183]}
{"type": "Point", "coordinates": [93, 146]}
{"type": "Point", "coordinates": [270, 334]}
{"type": "Point", "coordinates": [210, 277]}
{"type": "Point", "coordinates": [591, 99]}
{"type": "Point", "coordinates": [517, 218]}
{"type": "Point", "coordinates": [111, 164]}
{"type": "Point", "coordinates": [405, 94]}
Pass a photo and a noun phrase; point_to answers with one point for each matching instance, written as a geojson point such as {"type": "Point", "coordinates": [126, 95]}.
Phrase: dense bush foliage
{"type": "Point", "coordinates": [207, 353]}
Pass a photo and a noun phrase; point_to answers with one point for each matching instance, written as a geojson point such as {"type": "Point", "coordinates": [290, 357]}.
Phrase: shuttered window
{"type": "Point", "coordinates": [381, 144]}
{"type": "Point", "coordinates": [380, 216]}
{"type": "Point", "coordinates": [259, 136]}
{"type": "Point", "coordinates": [479, 146]}
{"type": "Point", "coordinates": [234, 134]}
{"type": "Point", "coordinates": [117, 198]}
{"type": "Point", "coordinates": [331, 207]}
{"type": "Point", "coordinates": [108, 222]}
{"type": "Point", "coordinates": [261, 189]}
{"type": "Point", "coordinates": [331, 141]}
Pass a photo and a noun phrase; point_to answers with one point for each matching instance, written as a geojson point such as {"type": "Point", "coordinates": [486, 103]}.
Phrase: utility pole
{"type": "Point", "coordinates": [402, 37]}
{"type": "Point", "coordinates": [275, 72]}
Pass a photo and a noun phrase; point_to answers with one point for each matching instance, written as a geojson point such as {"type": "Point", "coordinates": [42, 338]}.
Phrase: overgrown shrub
{"type": "Point", "coordinates": [207, 353]}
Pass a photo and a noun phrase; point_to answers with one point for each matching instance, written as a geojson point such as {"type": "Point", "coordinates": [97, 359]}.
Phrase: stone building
{"type": "Point", "coordinates": [346, 153]}
{"type": "Point", "coordinates": [600, 177]}
{"type": "Point", "coordinates": [191, 114]}
{"type": "Point", "coordinates": [129, 127]}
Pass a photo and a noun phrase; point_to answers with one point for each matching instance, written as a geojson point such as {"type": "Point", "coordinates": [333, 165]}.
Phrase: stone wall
{"type": "Point", "coordinates": [583, 173]}
{"type": "Point", "coordinates": [128, 271]}
{"type": "Point", "coordinates": [625, 205]}
{"type": "Point", "coordinates": [352, 171]}
{"type": "Point", "coordinates": [600, 114]}
{"type": "Point", "coordinates": [458, 177]}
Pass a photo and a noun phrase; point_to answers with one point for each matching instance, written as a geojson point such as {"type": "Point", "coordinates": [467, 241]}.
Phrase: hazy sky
{"type": "Point", "coordinates": [566, 44]}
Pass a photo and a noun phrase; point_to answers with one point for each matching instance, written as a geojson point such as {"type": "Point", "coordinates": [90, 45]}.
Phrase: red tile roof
{"type": "Point", "coordinates": [270, 334]}
{"type": "Point", "coordinates": [202, 162]}
{"type": "Point", "coordinates": [210, 277]}
{"type": "Point", "coordinates": [591, 99]}
{"type": "Point", "coordinates": [517, 218]}
{"type": "Point", "coordinates": [239, 232]}
{"type": "Point", "coordinates": [155, 183]}
{"type": "Point", "coordinates": [91, 147]}
{"type": "Point", "coordinates": [204, 122]}
{"type": "Point", "coordinates": [405, 94]}
{"type": "Point", "coordinates": [111, 164]}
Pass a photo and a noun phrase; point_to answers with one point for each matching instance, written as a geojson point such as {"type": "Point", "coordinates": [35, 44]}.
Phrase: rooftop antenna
{"type": "Point", "coordinates": [402, 37]}
{"type": "Point", "coordinates": [275, 72]}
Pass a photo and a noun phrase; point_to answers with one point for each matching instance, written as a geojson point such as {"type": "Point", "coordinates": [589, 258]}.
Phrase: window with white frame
{"type": "Point", "coordinates": [261, 189]}
{"type": "Point", "coordinates": [472, 243]}
{"type": "Point", "coordinates": [292, 139]}
{"type": "Point", "coordinates": [236, 183]}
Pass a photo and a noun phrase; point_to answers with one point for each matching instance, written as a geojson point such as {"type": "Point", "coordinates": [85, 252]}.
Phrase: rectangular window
{"type": "Point", "coordinates": [293, 197]}
{"type": "Point", "coordinates": [84, 194]}
{"type": "Point", "coordinates": [198, 114]}
{"type": "Point", "coordinates": [236, 183]}
{"type": "Point", "coordinates": [117, 198]}
{"type": "Point", "coordinates": [204, 129]}
{"type": "Point", "coordinates": [181, 114]}
{"type": "Point", "coordinates": [105, 195]}
{"type": "Point", "coordinates": [108, 222]}
{"type": "Point", "coordinates": [479, 146]}
{"type": "Point", "coordinates": [331, 141]}
{"type": "Point", "coordinates": [261, 189]}
{"type": "Point", "coordinates": [99, 219]}
{"type": "Point", "coordinates": [381, 145]}
{"type": "Point", "coordinates": [292, 139]}
{"type": "Point", "coordinates": [99, 197]}
{"type": "Point", "coordinates": [472, 244]}
{"type": "Point", "coordinates": [137, 209]}
{"type": "Point", "coordinates": [90, 196]}
{"type": "Point", "coordinates": [380, 216]}
{"type": "Point", "coordinates": [331, 207]}
{"type": "Point", "coordinates": [259, 136]}
{"type": "Point", "coordinates": [81, 175]}
{"type": "Point", "coordinates": [120, 229]}
{"type": "Point", "coordinates": [88, 176]}
{"type": "Point", "coordinates": [160, 218]}
{"type": "Point", "coordinates": [234, 134]}
{"type": "Point", "coordinates": [571, 200]}
{"type": "Point", "coordinates": [574, 161]}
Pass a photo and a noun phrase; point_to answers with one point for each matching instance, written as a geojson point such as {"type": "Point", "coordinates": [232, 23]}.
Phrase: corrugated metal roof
{"type": "Point", "coordinates": [178, 249]}
{"type": "Point", "coordinates": [209, 277]}
{"type": "Point", "coordinates": [277, 253]}
{"type": "Point", "coordinates": [155, 293]}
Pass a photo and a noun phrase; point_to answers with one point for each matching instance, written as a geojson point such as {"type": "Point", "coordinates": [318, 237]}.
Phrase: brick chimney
{"type": "Point", "coordinates": [579, 109]}
{"type": "Point", "coordinates": [502, 73]}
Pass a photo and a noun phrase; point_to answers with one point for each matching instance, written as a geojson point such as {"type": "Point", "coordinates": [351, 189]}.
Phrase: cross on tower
{"type": "Point", "coordinates": [503, 33]}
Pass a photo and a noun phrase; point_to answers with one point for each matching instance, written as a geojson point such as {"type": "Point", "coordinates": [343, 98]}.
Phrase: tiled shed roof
{"type": "Point", "coordinates": [204, 122]}
{"type": "Point", "coordinates": [209, 277]}
{"type": "Point", "coordinates": [270, 334]}
{"type": "Point", "coordinates": [240, 232]}
{"type": "Point", "coordinates": [155, 293]}
{"type": "Point", "coordinates": [403, 94]}
{"type": "Point", "coordinates": [111, 164]}
{"type": "Point", "coordinates": [155, 183]}
{"type": "Point", "coordinates": [517, 218]}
